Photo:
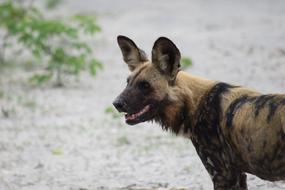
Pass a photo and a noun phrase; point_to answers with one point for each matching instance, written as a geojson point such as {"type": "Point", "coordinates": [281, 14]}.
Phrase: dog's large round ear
{"type": "Point", "coordinates": [132, 55]}
{"type": "Point", "coordinates": [166, 58]}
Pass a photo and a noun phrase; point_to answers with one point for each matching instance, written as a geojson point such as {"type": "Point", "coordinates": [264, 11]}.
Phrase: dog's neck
{"type": "Point", "coordinates": [181, 104]}
{"type": "Point", "coordinates": [196, 87]}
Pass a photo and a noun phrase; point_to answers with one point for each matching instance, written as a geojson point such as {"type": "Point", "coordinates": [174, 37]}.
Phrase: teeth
{"type": "Point", "coordinates": [135, 115]}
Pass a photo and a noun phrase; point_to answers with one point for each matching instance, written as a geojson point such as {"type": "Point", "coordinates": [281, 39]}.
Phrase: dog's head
{"type": "Point", "coordinates": [148, 84]}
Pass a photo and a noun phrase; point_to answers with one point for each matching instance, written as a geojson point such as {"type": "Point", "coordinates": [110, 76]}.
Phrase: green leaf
{"type": "Point", "coordinates": [82, 46]}
{"type": "Point", "coordinates": [94, 66]}
{"type": "Point", "coordinates": [186, 62]}
{"type": "Point", "coordinates": [109, 110]}
{"type": "Point", "coordinates": [112, 112]}
{"type": "Point", "coordinates": [87, 23]}
{"type": "Point", "coordinates": [57, 152]}
{"type": "Point", "coordinates": [40, 79]}
{"type": "Point", "coordinates": [51, 4]}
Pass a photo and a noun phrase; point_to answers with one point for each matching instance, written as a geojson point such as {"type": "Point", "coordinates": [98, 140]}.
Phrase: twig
{"type": "Point", "coordinates": [59, 82]}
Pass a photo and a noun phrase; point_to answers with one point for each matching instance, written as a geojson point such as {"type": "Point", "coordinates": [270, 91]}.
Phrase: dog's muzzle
{"type": "Point", "coordinates": [120, 104]}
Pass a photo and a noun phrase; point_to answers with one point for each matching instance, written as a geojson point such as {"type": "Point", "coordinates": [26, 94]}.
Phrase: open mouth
{"type": "Point", "coordinates": [137, 117]}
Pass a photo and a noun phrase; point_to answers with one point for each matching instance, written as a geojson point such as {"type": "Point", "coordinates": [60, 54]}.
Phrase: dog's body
{"type": "Point", "coordinates": [234, 129]}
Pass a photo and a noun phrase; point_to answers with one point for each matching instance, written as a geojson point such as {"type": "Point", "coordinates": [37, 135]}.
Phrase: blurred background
{"type": "Point", "coordinates": [61, 68]}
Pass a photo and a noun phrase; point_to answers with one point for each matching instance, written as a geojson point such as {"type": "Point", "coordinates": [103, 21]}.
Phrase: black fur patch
{"type": "Point", "coordinates": [207, 129]}
{"type": "Point", "coordinates": [210, 109]}
{"type": "Point", "coordinates": [272, 109]}
{"type": "Point", "coordinates": [274, 104]}
{"type": "Point", "coordinates": [260, 102]}
{"type": "Point", "coordinates": [271, 102]}
{"type": "Point", "coordinates": [233, 108]}
{"type": "Point", "coordinates": [215, 152]}
{"type": "Point", "coordinates": [282, 102]}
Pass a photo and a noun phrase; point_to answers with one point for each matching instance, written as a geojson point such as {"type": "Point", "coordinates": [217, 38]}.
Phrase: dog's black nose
{"type": "Point", "coordinates": [119, 105]}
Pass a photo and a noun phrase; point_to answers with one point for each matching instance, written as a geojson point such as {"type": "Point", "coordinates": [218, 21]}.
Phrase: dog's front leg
{"type": "Point", "coordinates": [236, 181]}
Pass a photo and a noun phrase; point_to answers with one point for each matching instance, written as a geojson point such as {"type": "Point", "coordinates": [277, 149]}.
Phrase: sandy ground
{"type": "Point", "coordinates": [62, 139]}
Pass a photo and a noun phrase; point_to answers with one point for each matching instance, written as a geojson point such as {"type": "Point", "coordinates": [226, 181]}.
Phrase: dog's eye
{"type": "Point", "coordinates": [144, 85]}
{"type": "Point", "coordinates": [128, 80]}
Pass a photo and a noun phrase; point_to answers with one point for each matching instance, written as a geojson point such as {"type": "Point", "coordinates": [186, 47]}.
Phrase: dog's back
{"type": "Point", "coordinates": [254, 125]}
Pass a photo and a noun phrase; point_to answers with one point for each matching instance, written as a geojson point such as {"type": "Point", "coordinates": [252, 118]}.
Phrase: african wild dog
{"type": "Point", "coordinates": [234, 129]}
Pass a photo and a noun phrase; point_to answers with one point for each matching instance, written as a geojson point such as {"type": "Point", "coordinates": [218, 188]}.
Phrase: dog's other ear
{"type": "Point", "coordinates": [132, 55]}
{"type": "Point", "coordinates": [166, 57]}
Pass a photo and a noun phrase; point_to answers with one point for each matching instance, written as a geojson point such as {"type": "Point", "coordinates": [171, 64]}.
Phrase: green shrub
{"type": "Point", "coordinates": [112, 112]}
{"type": "Point", "coordinates": [186, 62]}
{"type": "Point", "coordinates": [54, 41]}
{"type": "Point", "coordinates": [51, 4]}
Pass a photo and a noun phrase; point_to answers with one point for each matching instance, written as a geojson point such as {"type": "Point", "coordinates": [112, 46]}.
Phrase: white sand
{"type": "Point", "coordinates": [61, 139]}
